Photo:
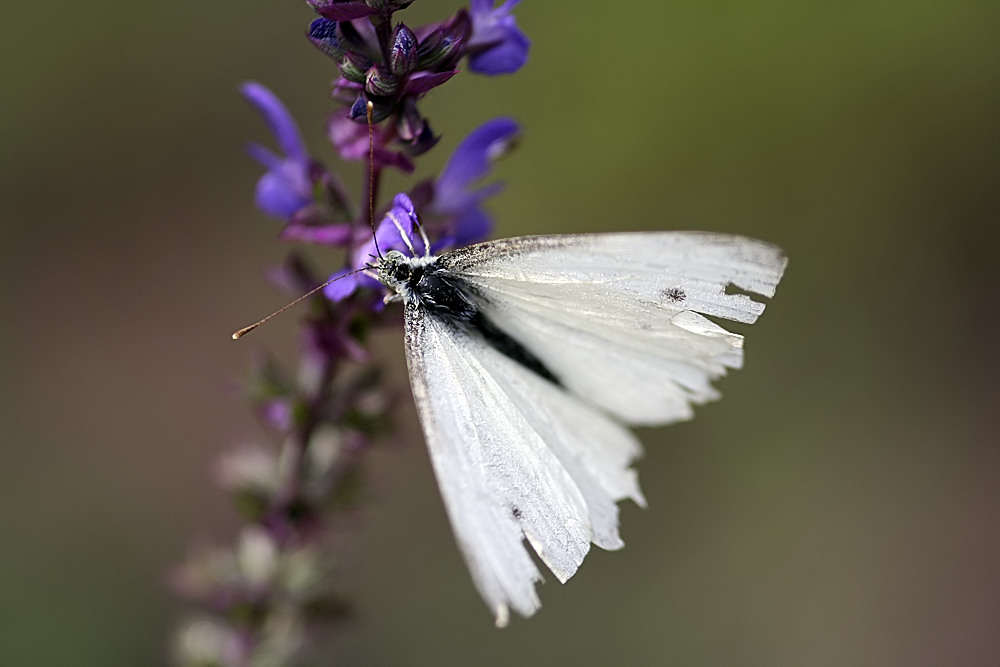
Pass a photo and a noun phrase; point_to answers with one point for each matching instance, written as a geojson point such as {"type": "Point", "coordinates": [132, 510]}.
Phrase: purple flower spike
{"type": "Point", "coordinates": [286, 188]}
{"type": "Point", "coordinates": [497, 45]}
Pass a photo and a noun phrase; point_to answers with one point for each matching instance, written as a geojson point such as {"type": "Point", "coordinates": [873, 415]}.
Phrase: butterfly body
{"type": "Point", "coordinates": [447, 297]}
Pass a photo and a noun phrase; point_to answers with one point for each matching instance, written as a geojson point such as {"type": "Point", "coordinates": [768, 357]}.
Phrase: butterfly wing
{"type": "Point", "coordinates": [619, 318]}
{"type": "Point", "coordinates": [515, 457]}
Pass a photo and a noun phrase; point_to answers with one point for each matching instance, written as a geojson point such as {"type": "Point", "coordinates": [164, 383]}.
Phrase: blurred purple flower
{"type": "Point", "coordinates": [497, 45]}
{"type": "Point", "coordinates": [327, 411]}
{"type": "Point", "coordinates": [336, 234]}
{"type": "Point", "coordinates": [342, 286]}
{"type": "Point", "coordinates": [472, 160]}
{"type": "Point", "coordinates": [286, 188]}
{"type": "Point", "coordinates": [278, 412]}
{"type": "Point", "coordinates": [334, 339]}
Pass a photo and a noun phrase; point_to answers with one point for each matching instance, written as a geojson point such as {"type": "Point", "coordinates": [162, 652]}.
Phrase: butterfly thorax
{"type": "Point", "coordinates": [421, 282]}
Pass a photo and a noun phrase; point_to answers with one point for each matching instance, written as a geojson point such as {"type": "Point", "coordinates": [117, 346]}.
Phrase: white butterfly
{"type": "Point", "coordinates": [527, 358]}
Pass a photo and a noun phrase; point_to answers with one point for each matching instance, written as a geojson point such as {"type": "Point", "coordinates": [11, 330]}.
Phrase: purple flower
{"type": "Point", "coordinates": [471, 161]}
{"type": "Point", "coordinates": [335, 234]}
{"type": "Point", "coordinates": [333, 338]}
{"type": "Point", "coordinates": [286, 188]}
{"type": "Point", "coordinates": [451, 199]}
{"type": "Point", "coordinates": [497, 45]}
{"type": "Point", "coordinates": [351, 141]}
{"type": "Point", "coordinates": [341, 11]}
{"type": "Point", "coordinates": [394, 232]}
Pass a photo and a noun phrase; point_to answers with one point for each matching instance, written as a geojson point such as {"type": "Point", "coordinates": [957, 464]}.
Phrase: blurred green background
{"type": "Point", "coordinates": [838, 507]}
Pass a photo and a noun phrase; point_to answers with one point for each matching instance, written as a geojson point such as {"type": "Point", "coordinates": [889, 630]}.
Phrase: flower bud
{"type": "Point", "coordinates": [359, 109]}
{"type": "Point", "coordinates": [459, 26]}
{"type": "Point", "coordinates": [424, 141]}
{"type": "Point", "coordinates": [380, 81]}
{"type": "Point", "coordinates": [323, 35]}
{"type": "Point", "coordinates": [387, 6]}
{"type": "Point", "coordinates": [403, 56]}
{"type": "Point", "coordinates": [410, 123]}
{"type": "Point", "coordinates": [432, 56]}
{"type": "Point", "coordinates": [381, 110]}
{"type": "Point", "coordinates": [444, 43]}
{"type": "Point", "coordinates": [354, 67]}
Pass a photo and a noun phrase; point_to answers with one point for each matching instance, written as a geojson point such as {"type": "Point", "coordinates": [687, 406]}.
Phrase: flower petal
{"type": "Point", "coordinates": [278, 119]}
{"type": "Point", "coordinates": [471, 161]}
{"type": "Point", "coordinates": [421, 82]}
{"type": "Point", "coordinates": [281, 192]}
{"type": "Point", "coordinates": [508, 56]}
{"type": "Point", "coordinates": [398, 223]}
{"type": "Point", "coordinates": [343, 286]}
{"type": "Point", "coordinates": [497, 45]}
{"type": "Point", "coordinates": [351, 141]}
{"type": "Point", "coordinates": [336, 235]}
{"type": "Point", "coordinates": [265, 156]}
{"type": "Point", "coordinates": [471, 226]}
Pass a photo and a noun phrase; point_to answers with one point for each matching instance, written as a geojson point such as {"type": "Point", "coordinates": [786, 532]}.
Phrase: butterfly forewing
{"type": "Point", "coordinates": [617, 316]}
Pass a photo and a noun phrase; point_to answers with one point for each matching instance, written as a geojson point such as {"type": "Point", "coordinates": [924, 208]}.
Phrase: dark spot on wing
{"type": "Point", "coordinates": [674, 294]}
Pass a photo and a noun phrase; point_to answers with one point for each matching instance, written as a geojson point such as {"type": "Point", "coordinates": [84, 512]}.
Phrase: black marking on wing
{"type": "Point", "coordinates": [511, 348]}
{"type": "Point", "coordinates": [447, 297]}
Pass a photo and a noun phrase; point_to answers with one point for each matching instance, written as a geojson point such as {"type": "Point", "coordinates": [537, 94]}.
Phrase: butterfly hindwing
{"type": "Point", "coordinates": [515, 457]}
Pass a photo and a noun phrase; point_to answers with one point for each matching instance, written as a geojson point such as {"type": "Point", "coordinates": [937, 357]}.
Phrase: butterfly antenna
{"type": "Point", "coordinates": [245, 330]}
{"type": "Point", "coordinates": [371, 174]}
{"type": "Point", "coordinates": [423, 237]}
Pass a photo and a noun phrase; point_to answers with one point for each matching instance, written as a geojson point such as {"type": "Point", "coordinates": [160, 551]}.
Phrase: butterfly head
{"type": "Point", "coordinates": [398, 272]}
{"type": "Point", "coordinates": [394, 271]}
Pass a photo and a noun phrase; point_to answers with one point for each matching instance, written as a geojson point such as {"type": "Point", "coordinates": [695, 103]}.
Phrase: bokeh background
{"type": "Point", "coordinates": [839, 506]}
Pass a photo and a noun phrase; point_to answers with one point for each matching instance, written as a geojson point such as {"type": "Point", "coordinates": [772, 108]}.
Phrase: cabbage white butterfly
{"type": "Point", "coordinates": [529, 356]}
